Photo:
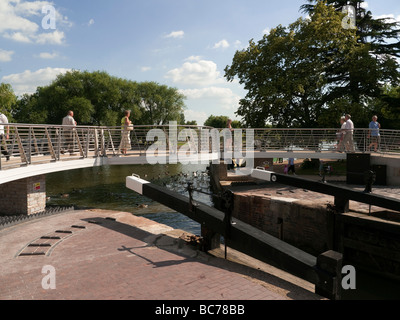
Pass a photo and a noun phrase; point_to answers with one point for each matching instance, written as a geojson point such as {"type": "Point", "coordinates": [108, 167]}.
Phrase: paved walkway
{"type": "Point", "coordinates": [112, 255]}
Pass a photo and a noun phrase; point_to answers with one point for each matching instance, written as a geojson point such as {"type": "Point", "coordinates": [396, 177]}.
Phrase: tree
{"type": "Point", "coordinates": [309, 74]}
{"type": "Point", "coordinates": [388, 108]}
{"type": "Point", "coordinates": [375, 63]}
{"type": "Point", "coordinates": [191, 123]}
{"type": "Point", "coordinates": [220, 122]}
{"type": "Point", "coordinates": [99, 99]}
{"type": "Point", "coordinates": [160, 104]}
{"type": "Point", "coordinates": [7, 100]}
{"type": "Point", "coordinates": [379, 33]}
{"type": "Point", "coordinates": [287, 72]}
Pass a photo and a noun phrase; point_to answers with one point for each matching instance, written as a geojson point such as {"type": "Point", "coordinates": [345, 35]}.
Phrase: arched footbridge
{"type": "Point", "coordinates": [41, 149]}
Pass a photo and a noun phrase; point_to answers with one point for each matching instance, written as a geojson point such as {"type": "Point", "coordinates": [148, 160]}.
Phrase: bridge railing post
{"type": "Point", "coordinates": [29, 156]}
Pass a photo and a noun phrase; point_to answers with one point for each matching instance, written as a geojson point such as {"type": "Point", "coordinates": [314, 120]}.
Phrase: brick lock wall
{"type": "Point", "coordinates": [303, 224]}
{"type": "Point", "coordinates": [25, 196]}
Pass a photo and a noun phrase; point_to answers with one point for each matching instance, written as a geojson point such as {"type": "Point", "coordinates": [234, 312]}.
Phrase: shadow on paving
{"type": "Point", "coordinates": [189, 253]}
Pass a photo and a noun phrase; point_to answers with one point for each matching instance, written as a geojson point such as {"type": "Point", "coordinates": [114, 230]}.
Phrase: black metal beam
{"type": "Point", "coordinates": [242, 236]}
{"type": "Point", "coordinates": [343, 193]}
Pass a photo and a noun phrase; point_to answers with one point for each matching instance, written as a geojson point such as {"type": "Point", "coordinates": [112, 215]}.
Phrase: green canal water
{"type": "Point", "coordinates": [104, 188]}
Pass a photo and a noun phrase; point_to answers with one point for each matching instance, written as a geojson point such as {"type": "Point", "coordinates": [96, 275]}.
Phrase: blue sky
{"type": "Point", "coordinates": [181, 43]}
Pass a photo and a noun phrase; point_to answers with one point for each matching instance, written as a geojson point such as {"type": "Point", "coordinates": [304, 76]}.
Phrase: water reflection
{"type": "Point", "coordinates": [104, 188]}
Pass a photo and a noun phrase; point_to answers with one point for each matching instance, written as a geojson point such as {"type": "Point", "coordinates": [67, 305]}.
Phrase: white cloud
{"type": "Point", "coordinates": [144, 69]}
{"type": "Point", "coordinates": [48, 55]}
{"type": "Point", "coordinates": [176, 34]}
{"type": "Point", "coordinates": [199, 116]}
{"type": "Point", "coordinates": [6, 56]}
{"type": "Point", "coordinates": [197, 73]}
{"type": "Point", "coordinates": [224, 97]}
{"type": "Point", "coordinates": [91, 22]}
{"type": "Point", "coordinates": [238, 44]}
{"type": "Point", "coordinates": [21, 21]}
{"type": "Point", "coordinates": [267, 31]}
{"type": "Point", "coordinates": [28, 81]}
{"type": "Point", "coordinates": [207, 91]}
{"type": "Point", "coordinates": [390, 17]}
{"type": "Point", "coordinates": [56, 37]}
{"type": "Point", "coordinates": [18, 37]}
{"type": "Point", "coordinates": [193, 58]}
{"type": "Point", "coordinates": [31, 8]}
{"type": "Point", "coordinates": [223, 44]}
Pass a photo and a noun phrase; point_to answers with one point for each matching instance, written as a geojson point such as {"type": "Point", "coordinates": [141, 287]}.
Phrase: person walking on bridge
{"type": "Point", "coordinates": [291, 166]}
{"type": "Point", "coordinates": [126, 128]}
{"type": "Point", "coordinates": [374, 134]}
{"type": "Point", "coordinates": [69, 132]}
{"type": "Point", "coordinates": [349, 131]}
{"type": "Point", "coordinates": [4, 136]}
{"type": "Point", "coordinates": [340, 135]}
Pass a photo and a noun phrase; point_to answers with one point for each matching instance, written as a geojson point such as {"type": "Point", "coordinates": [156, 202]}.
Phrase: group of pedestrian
{"type": "Point", "coordinates": [345, 135]}
{"type": "Point", "coordinates": [69, 132]}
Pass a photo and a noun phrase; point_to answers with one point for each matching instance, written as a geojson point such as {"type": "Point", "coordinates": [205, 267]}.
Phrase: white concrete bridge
{"type": "Point", "coordinates": [37, 150]}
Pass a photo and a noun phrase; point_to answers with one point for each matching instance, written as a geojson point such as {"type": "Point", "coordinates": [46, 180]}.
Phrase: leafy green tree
{"type": "Point", "coordinates": [236, 124]}
{"type": "Point", "coordinates": [217, 122]}
{"type": "Point", "coordinates": [7, 100]}
{"type": "Point", "coordinates": [287, 72]}
{"type": "Point", "coordinates": [373, 63]}
{"type": "Point", "coordinates": [191, 123]}
{"type": "Point", "coordinates": [309, 74]}
{"type": "Point", "coordinates": [160, 104]}
{"type": "Point", "coordinates": [220, 122]}
{"type": "Point", "coordinates": [388, 108]}
{"type": "Point", "coordinates": [100, 99]}
{"type": "Point", "coordinates": [382, 34]}
{"type": "Point", "coordinates": [27, 110]}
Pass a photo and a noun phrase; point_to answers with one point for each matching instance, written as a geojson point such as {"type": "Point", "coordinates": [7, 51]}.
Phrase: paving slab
{"type": "Point", "coordinates": [109, 255]}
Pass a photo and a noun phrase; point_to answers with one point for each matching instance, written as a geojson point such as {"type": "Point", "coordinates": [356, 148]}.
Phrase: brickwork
{"type": "Point", "coordinates": [298, 222]}
{"type": "Point", "coordinates": [111, 260]}
{"type": "Point", "coordinates": [25, 196]}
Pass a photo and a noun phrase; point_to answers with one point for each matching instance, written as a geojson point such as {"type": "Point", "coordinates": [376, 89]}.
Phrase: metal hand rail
{"type": "Point", "coordinates": [30, 144]}
{"type": "Point", "coordinates": [324, 140]}
{"type": "Point", "coordinates": [34, 144]}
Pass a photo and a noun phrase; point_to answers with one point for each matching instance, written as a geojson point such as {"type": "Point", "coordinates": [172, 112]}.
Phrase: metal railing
{"type": "Point", "coordinates": [33, 144]}
{"type": "Point", "coordinates": [325, 140]}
